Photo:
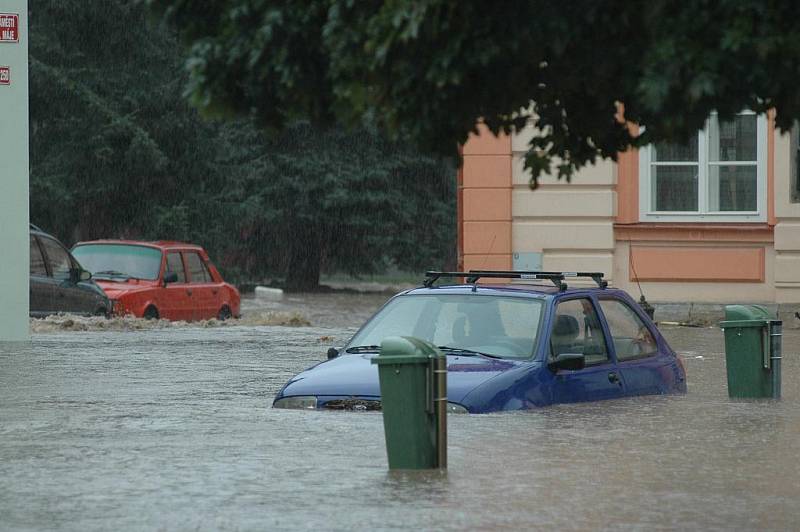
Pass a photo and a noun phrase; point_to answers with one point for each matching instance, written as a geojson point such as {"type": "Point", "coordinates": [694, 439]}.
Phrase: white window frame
{"type": "Point", "coordinates": [646, 214]}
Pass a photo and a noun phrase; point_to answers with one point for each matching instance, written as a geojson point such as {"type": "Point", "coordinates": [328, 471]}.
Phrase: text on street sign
{"type": "Point", "coordinates": [9, 27]}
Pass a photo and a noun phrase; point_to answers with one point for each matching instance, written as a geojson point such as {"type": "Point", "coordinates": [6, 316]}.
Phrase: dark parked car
{"type": "Point", "coordinates": [509, 347]}
{"type": "Point", "coordinates": [59, 283]}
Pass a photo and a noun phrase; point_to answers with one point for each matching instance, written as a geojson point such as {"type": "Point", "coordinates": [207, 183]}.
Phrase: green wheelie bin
{"type": "Point", "coordinates": [752, 352]}
{"type": "Point", "coordinates": [412, 376]}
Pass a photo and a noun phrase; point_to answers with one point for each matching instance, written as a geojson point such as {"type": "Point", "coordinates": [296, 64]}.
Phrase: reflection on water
{"type": "Point", "coordinates": [171, 429]}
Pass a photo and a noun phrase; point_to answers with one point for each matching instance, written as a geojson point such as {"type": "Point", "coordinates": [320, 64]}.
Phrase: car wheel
{"type": "Point", "coordinates": [101, 312]}
{"type": "Point", "coordinates": [151, 313]}
{"type": "Point", "coordinates": [224, 314]}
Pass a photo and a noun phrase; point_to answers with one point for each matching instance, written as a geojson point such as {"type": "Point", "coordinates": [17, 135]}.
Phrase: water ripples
{"type": "Point", "coordinates": [170, 428]}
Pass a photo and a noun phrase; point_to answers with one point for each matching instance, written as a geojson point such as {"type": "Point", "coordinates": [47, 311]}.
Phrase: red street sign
{"type": "Point", "coordinates": [5, 75]}
{"type": "Point", "coordinates": [9, 27]}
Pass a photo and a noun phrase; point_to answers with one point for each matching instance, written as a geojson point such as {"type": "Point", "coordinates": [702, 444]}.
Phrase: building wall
{"type": "Point", "coordinates": [688, 264]}
{"type": "Point", "coordinates": [562, 226]}
{"type": "Point", "coordinates": [787, 228]}
{"type": "Point", "coordinates": [484, 195]}
{"type": "Point", "coordinates": [593, 224]}
{"type": "Point", "coordinates": [697, 262]}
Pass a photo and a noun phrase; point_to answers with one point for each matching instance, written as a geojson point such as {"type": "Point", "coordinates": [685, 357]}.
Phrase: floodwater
{"type": "Point", "coordinates": [170, 428]}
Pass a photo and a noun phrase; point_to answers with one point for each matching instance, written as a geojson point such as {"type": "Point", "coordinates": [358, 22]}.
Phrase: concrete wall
{"type": "Point", "coordinates": [787, 228]}
{"type": "Point", "coordinates": [564, 226]}
{"type": "Point", "coordinates": [14, 272]}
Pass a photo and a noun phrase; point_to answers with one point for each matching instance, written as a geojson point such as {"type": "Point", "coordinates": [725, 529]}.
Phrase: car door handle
{"type": "Point", "coordinates": [214, 291]}
{"type": "Point", "coordinates": [188, 291]}
{"type": "Point", "coordinates": [613, 378]}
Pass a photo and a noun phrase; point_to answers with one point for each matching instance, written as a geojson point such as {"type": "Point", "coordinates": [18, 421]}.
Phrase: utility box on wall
{"type": "Point", "coordinates": [527, 261]}
{"type": "Point", "coordinates": [14, 168]}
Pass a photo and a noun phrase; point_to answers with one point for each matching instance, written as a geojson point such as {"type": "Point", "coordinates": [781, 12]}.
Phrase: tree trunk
{"type": "Point", "coordinates": [304, 265]}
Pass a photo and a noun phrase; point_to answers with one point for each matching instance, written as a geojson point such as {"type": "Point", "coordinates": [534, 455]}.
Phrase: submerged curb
{"type": "Point", "coordinates": [710, 314]}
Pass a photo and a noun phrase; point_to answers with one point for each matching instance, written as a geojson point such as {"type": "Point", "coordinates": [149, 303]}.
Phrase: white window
{"type": "Point", "coordinates": [719, 175]}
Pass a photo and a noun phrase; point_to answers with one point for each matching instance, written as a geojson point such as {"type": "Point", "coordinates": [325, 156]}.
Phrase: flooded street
{"type": "Point", "coordinates": [171, 429]}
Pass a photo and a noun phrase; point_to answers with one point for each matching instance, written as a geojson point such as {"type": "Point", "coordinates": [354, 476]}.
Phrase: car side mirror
{"type": "Point", "coordinates": [568, 361]}
{"type": "Point", "coordinates": [332, 353]}
{"type": "Point", "coordinates": [77, 275]}
{"type": "Point", "coordinates": [170, 277]}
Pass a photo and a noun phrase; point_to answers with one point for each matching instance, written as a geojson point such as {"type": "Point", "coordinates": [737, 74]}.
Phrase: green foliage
{"type": "Point", "coordinates": [427, 70]}
{"type": "Point", "coordinates": [341, 201]}
{"type": "Point", "coordinates": [116, 151]}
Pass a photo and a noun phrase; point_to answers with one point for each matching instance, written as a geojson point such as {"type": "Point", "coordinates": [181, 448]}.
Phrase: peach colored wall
{"type": "Point", "coordinates": [684, 263]}
{"type": "Point", "coordinates": [628, 184]}
{"type": "Point", "coordinates": [693, 262]}
{"type": "Point", "coordinates": [485, 202]}
{"type": "Point", "coordinates": [696, 290]}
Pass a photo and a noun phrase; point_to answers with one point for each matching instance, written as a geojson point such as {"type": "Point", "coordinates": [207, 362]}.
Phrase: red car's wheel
{"type": "Point", "coordinates": [224, 314]}
{"type": "Point", "coordinates": [151, 313]}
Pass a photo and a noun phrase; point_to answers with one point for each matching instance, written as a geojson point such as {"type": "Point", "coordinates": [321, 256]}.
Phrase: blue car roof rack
{"type": "Point", "coordinates": [557, 278]}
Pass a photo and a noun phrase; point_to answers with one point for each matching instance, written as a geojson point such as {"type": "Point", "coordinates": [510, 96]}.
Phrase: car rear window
{"type": "Point", "coordinates": [57, 258]}
{"type": "Point", "coordinates": [197, 269]}
{"type": "Point", "coordinates": [141, 262]}
{"type": "Point", "coordinates": [37, 261]}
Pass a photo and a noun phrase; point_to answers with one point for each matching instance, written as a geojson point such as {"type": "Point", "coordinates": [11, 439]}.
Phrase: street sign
{"type": "Point", "coordinates": [5, 75]}
{"type": "Point", "coordinates": [9, 27]}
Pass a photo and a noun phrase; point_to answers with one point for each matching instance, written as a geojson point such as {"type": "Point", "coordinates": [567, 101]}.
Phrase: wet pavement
{"type": "Point", "coordinates": [170, 429]}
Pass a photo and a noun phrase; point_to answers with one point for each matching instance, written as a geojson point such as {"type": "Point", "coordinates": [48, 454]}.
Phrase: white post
{"type": "Point", "coordinates": [14, 239]}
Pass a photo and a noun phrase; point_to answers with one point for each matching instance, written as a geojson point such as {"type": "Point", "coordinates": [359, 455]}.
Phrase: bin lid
{"type": "Point", "coordinates": [405, 350]}
{"type": "Point", "coordinates": [746, 316]}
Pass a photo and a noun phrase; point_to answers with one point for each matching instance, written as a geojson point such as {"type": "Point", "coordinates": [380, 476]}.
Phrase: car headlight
{"type": "Point", "coordinates": [455, 408]}
{"type": "Point", "coordinates": [298, 402]}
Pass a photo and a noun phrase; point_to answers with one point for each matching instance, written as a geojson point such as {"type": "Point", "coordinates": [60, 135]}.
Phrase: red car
{"type": "Point", "coordinates": [170, 280]}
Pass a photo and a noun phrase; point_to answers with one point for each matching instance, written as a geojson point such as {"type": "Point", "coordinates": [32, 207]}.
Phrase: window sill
{"type": "Point", "coordinates": [711, 218]}
{"type": "Point", "coordinates": [695, 231]}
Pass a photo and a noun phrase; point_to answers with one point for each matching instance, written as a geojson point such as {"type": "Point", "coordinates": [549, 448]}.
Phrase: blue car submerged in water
{"type": "Point", "coordinates": [508, 347]}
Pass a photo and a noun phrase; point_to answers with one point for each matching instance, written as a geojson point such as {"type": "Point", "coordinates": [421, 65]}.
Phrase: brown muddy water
{"type": "Point", "coordinates": [169, 427]}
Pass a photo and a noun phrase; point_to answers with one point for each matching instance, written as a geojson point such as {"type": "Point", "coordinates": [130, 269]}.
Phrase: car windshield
{"type": "Point", "coordinates": [119, 260]}
{"type": "Point", "coordinates": [499, 326]}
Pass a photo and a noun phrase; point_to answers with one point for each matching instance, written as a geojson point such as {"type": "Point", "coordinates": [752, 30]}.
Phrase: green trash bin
{"type": "Point", "coordinates": [413, 402]}
{"type": "Point", "coordinates": [752, 351]}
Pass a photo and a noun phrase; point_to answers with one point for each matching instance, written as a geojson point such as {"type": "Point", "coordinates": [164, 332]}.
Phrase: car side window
{"type": "Point", "coordinates": [198, 272]}
{"type": "Point", "coordinates": [57, 258]}
{"type": "Point", "coordinates": [632, 338]}
{"type": "Point", "coordinates": [576, 329]}
{"type": "Point", "coordinates": [175, 264]}
{"type": "Point", "coordinates": [37, 260]}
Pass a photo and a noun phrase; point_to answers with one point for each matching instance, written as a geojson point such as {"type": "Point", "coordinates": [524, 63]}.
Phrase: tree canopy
{"type": "Point", "coordinates": [116, 151]}
{"type": "Point", "coordinates": [427, 70]}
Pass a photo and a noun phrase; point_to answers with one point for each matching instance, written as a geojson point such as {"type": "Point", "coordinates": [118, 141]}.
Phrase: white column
{"type": "Point", "coordinates": [14, 247]}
